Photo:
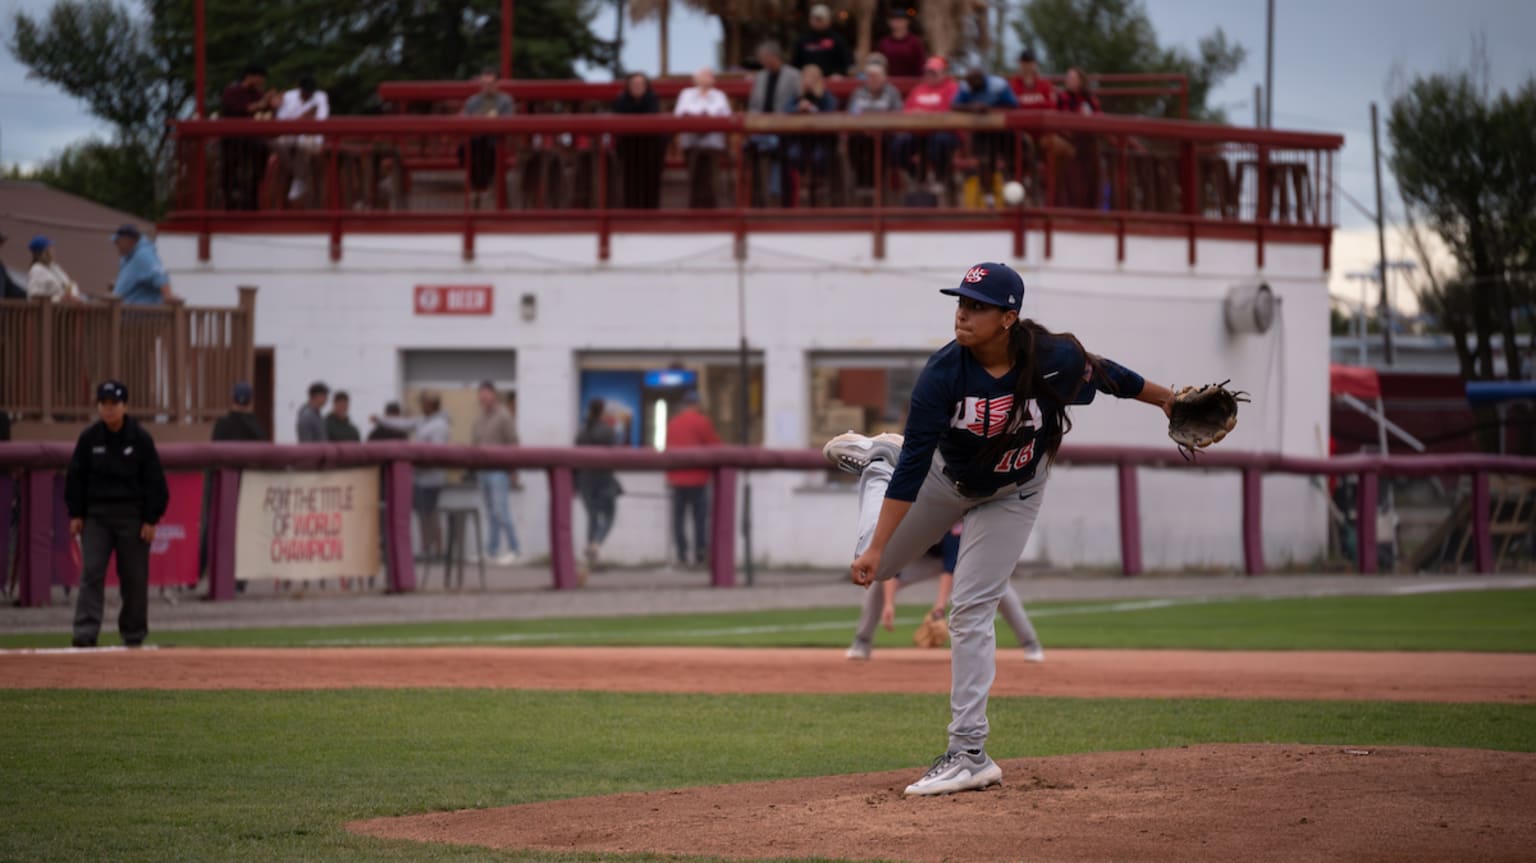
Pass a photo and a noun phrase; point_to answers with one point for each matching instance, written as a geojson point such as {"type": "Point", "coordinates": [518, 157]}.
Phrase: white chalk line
{"type": "Point", "coordinates": [811, 626]}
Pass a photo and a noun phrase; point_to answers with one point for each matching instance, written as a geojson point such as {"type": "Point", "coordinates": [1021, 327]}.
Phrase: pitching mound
{"type": "Point", "coordinates": [1250, 802]}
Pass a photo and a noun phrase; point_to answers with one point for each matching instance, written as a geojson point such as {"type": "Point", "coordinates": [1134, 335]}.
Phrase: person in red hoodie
{"type": "Point", "coordinates": [1033, 92]}
{"type": "Point", "coordinates": [932, 95]}
{"type": "Point", "coordinates": [690, 488]}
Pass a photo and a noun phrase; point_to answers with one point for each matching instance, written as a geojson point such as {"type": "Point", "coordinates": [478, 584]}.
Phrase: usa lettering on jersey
{"type": "Point", "coordinates": [988, 418]}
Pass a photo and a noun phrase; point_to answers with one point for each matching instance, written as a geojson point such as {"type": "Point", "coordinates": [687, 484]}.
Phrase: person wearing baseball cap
{"type": "Point", "coordinates": [987, 415]}
{"type": "Point", "coordinates": [47, 278]}
{"type": "Point", "coordinates": [141, 278]}
{"type": "Point", "coordinates": [115, 491]}
{"type": "Point", "coordinates": [240, 424]}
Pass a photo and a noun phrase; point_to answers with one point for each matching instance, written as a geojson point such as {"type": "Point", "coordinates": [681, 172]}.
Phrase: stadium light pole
{"type": "Point", "coordinates": [200, 58]}
{"type": "Point", "coordinates": [1269, 65]}
{"type": "Point", "coordinates": [506, 39]}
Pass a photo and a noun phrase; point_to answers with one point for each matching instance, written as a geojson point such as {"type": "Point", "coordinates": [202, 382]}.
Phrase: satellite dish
{"type": "Point", "coordinates": [1250, 308]}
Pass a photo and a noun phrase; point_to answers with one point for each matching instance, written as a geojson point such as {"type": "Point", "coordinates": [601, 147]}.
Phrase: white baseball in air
{"type": "Point", "coordinates": [1013, 193]}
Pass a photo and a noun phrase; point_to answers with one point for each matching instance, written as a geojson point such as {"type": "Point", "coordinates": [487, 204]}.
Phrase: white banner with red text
{"type": "Point", "coordinates": [307, 524]}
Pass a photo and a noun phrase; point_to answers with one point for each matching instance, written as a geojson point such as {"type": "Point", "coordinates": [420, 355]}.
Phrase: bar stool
{"type": "Point", "coordinates": [454, 549]}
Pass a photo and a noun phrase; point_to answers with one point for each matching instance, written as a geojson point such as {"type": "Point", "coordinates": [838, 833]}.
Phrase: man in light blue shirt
{"type": "Point", "coordinates": [141, 278]}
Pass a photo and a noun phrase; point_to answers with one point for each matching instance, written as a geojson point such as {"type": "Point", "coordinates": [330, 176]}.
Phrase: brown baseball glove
{"type": "Point", "coordinates": [1202, 416]}
{"type": "Point", "coordinates": [933, 631]}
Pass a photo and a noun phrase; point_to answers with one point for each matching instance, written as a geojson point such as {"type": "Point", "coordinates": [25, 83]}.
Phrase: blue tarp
{"type": "Point", "coordinates": [1493, 392]}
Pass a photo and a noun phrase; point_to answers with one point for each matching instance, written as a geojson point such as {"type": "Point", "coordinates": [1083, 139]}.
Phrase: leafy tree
{"type": "Point", "coordinates": [133, 66]}
{"type": "Point", "coordinates": [1465, 163]}
{"type": "Point", "coordinates": [115, 175]}
{"type": "Point", "coordinates": [1116, 36]}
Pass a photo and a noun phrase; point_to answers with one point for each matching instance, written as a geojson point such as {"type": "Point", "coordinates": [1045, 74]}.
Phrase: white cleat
{"type": "Point", "coordinates": [957, 771]}
{"type": "Point", "coordinates": [852, 452]}
{"type": "Point", "coordinates": [1034, 653]}
{"type": "Point", "coordinates": [858, 651]}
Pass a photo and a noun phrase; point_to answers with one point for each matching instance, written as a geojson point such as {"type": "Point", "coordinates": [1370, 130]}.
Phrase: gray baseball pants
{"type": "Point", "coordinates": [924, 568]}
{"type": "Point", "coordinates": [995, 529]}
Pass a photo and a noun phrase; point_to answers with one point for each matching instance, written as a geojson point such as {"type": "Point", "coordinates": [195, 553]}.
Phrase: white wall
{"type": "Point", "coordinates": [347, 321]}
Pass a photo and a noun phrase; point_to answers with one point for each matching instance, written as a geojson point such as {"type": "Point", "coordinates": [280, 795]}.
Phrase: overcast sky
{"type": "Point", "coordinates": [1332, 58]}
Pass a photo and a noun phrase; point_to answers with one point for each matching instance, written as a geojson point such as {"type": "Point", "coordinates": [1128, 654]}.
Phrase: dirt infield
{"type": "Point", "coordinates": [1251, 802]}
{"type": "Point", "coordinates": [1443, 677]}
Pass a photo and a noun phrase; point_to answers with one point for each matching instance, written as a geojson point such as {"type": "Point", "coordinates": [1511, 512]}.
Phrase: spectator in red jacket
{"type": "Point", "coordinates": [904, 51]}
{"type": "Point", "coordinates": [690, 488]}
{"type": "Point", "coordinates": [1033, 92]}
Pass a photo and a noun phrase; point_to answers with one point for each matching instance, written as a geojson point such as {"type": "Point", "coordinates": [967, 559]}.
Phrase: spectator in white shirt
{"type": "Point", "coordinates": [298, 152]}
{"type": "Point", "coordinates": [47, 278]}
{"type": "Point", "coordinates": [703, 151]}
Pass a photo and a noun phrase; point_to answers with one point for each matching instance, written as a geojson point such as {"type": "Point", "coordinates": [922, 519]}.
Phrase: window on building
{"type": "Point", "coordinates": [865, 392]}
{"type": "Point", "coordinates": [641, 391]}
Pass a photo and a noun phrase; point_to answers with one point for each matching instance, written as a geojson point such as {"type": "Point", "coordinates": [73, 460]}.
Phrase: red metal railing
{"type": "Point", "coordinates": [577, 95]}
{"type": "Point", "coordinates": [604, 173]}
{"type": "Point", "coordinates": [36, 465]}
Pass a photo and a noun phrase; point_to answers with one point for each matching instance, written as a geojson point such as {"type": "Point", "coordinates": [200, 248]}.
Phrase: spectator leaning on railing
{"type": "Point", "coordinates": [875, 95]}
{"type": "Point", "coordinates": [141, 278]}
{"type": "Point", "coordinates": [244, 159]}
{"type": "Point", "coordinates": [774, 89]}
{"type": "Point", "coordinates": [433, 427]}
{"type": "Point", "coordinates": [702, 150]}
{"type": "Point", "coordinates": [980, 93]}
{"type": "Point", "coordinates": [47, 278]}
{"type": "Point", "coordinates": [338, 427]}
{"type": "Point", "coordinates": [298, 152]}
{"type": "Point", "coordinates": [640, 157]}
{"type": "Point", "coordinates": [489, 102]}
{"type": "Point", "coordinates": [928, 156]}
{"type": "Point", "coordinates": [903, 50]}
{"type": "Point", "coordinates": [310, 425]}
{"type": "Point", "coordinates": [812, 154]}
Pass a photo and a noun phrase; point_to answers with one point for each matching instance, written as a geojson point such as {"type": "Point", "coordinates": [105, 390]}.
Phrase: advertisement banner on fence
{"type": "Point", "coordinates": [172, 557]}
{"type": "Point", "coordinates": [307, 524]}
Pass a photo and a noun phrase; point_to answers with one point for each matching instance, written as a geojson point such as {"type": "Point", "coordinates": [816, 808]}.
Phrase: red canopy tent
{"type": "Point", "coordinates": [1359, 381]}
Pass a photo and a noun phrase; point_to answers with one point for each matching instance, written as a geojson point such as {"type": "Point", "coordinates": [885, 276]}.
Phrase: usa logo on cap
{"type": "Point", "coordinates": [975, 274]}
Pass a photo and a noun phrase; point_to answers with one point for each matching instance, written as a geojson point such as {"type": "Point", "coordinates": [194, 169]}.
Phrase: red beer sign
{"type": "Point", "coordinates": [454, 299]}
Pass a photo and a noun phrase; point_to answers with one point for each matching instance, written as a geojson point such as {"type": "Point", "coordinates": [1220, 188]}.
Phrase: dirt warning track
{"type": "Point", "coordinates": [1441, 677]}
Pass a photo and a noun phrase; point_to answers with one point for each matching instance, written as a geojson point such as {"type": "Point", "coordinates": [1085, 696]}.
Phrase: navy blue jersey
{"type": "Point", "coordinates": [957, 406]}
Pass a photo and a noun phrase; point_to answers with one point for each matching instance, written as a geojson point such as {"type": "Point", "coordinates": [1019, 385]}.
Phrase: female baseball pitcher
{"type": "Point", "coordinates": [987, 416]}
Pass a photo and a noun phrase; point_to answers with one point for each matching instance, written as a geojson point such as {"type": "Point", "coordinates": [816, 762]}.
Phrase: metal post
{"type": "Point", "coordinates": [1253, 520]}
{"type": "Point", "coordinates": [1381, 242]}
{"type": "Point", "coordinates": [1482, 542]}
{"type": "Point", "coordinates": [1130, 519]}
{"type": "Point", "coordinates": [722, 535]}
{"type": "Point", "coordinates": [506, 39]}
{"type": "Point", "coordinates": [1365, 522]}
{"type": "Point", "coordinates": [1258, 105]}
{"type": "Point", "coordinates": [224, 502]}
{"type": "Point", "coordinates": [401, 569]}
{"type": "Point", "coordinates": [744, 405]}
{"type": "Point", "coordinates": [200, 64]}
{"type": "Point", "coordinates": [562, 552]}
{"type": "Point", "coordinates": [1269, 64]}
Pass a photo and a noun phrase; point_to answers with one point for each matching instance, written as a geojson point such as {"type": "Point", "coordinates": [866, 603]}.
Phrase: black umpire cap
{"type": "Point", "coordinates": [112, 391]}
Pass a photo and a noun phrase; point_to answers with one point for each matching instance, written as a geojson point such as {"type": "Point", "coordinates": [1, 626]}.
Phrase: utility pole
{"type": "Point", "coordinates": [1269, 66]}
{"type": "Point", "coordinates": [1381, 244]}
{"type": "Point", "coordinates": [1258, 106]}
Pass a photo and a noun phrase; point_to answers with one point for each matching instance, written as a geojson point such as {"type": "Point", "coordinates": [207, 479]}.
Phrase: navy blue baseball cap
{"type": "Point", "coordinates": [243, 393]}
{"type": "Point", "coordinates": [991, 283]}
{"type": "Point", "coordinates": [111, 391]}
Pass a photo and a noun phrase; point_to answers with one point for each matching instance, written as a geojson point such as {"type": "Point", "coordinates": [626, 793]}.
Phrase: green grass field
{"type": "Point", "coordinates": [1490, 620]}
{"type": "Point", "coordinates": [106, 775]}
{"type": "Point", "coordinates": [275, 775]}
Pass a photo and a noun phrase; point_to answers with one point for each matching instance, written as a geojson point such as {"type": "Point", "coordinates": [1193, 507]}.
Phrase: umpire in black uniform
{"type": "Point", "coordinates": [116, 493]}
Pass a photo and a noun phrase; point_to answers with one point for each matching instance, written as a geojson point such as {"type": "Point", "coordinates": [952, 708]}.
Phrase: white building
{"type": "Point", "coordinates": [837, 335]}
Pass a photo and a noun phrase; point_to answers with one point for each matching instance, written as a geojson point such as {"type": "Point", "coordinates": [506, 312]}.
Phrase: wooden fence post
{"type": "Point", "coordinates": [114, 338]}
{"type": "Point", "coordinates": [46, 342]}
{"type": "Point", "coordinates": [401, 567]}
{"type": "Point", "coordinates": [176, 376]}
{"type": "Point", "coordinates": [224, 503]}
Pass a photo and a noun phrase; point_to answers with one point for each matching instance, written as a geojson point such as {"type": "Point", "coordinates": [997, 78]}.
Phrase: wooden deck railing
{"type": "Point", "coordinates": [179, 362]}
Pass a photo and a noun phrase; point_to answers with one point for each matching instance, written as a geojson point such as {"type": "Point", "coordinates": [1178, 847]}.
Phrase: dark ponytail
{"type": "Point", "coordinates": [1023, 344]}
